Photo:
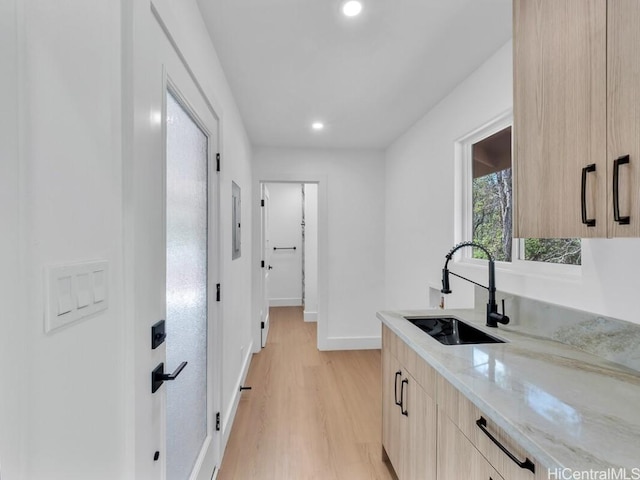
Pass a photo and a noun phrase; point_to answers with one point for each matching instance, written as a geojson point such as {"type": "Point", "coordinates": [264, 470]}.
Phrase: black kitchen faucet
{"type": "Point", "coordinates": [493, 317]}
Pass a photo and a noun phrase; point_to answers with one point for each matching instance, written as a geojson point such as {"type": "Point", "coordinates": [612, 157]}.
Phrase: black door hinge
{"type": "Point", "coordinates": [218, 422]}
{"type": "Point", "coordinates": [262, 264]}
{"type": "Point", "coordinates": [217, 292]}
{"type": "Point", "coordinates": [262, 325]}
{"type": "Point", "coordinates": [262, 203]}
{"type": "Point", "coordinates": [217, 162]}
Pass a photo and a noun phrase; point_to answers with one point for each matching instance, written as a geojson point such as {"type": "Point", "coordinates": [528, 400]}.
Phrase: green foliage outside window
{"type": "Point", "coordinates": [492, 225]}
{"type": "Point", "coordinates": [553, 250]}
{"type": "Point", "coordinates": [492, 218]}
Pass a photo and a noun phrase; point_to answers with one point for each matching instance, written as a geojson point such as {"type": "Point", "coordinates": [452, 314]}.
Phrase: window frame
{"type": "Point", "coordinates": [463, 207]}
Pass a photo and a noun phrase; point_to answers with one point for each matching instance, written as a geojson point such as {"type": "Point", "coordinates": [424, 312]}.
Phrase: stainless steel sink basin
{"type": "Point", "coordinates": [452, 331]}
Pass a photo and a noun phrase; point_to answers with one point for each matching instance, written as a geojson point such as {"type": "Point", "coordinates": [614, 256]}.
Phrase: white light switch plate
{"type": "Point", "coordinates": [74, 292]}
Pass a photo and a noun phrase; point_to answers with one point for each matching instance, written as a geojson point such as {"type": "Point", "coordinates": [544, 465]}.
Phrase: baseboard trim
{"type": "Point", "coordinates": [310, 316]}
{"type": "Point", "coordinates": [351, 343]}
{"type": "Point", "coordinates": [285, 302]}
{"type": "Point", "coordinates": [230, 415]}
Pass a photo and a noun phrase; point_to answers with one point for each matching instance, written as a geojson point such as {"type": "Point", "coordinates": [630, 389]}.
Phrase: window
{"type": "Point", "coordinates": [487, 186]}
{"type": "Point", "coordinates": [491, 194]}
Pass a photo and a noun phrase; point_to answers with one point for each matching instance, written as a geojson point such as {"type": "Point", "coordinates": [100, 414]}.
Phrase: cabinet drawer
{"type": "Point", "coordinates": [458, 458]}
{"type": "Point", "coordinates": [424, 374]}
{"type": "Point", "coordinates": [465, 414]}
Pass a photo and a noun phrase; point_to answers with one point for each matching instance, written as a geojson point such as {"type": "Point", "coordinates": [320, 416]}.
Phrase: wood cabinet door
{"type": "Point", "coordinates": [559, 117]}
{"type": "Point", "coordinates": [457, 457]}
{"type": "Point", "coordinates": [419, 449]}
{"type": "Point", "coordinates": [623, 113]}
{"type": "Point", "coordinates": [391, 423]}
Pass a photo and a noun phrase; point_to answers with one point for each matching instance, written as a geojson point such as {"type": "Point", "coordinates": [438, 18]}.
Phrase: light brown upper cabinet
{"type": "Point", "coordinates": [576, 118]}
{"type": "Point", "coordinates": [623, 114]}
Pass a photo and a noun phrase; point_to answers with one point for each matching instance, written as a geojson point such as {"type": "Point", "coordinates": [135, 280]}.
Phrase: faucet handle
{"type": "Point", "coordinates": [493, 317]}
{"type": "Point", "coordinates": [505, 319]}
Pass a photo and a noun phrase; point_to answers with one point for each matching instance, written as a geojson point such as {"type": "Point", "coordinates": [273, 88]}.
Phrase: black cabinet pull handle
{"type": "Point", "coordinates": [589, 222]}
{"type": "Point", "coordinates": [616, 194]}
{"type": "Point", "coordinates": [158, 377]}
{"type": "Point", "coordinates": [526, 464]}
{"type": "Point", "coordinates": [395, 388]}
{"type": "Point", "coordinates": [402, 409]}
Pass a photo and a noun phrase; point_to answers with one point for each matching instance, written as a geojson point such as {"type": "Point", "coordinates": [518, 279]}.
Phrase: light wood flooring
{"type": "Point", "coordinates": [310, 414]}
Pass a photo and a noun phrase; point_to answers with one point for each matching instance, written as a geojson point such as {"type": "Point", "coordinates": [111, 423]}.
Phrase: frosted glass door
{"type": "Point", "coordinates": [186, 274]}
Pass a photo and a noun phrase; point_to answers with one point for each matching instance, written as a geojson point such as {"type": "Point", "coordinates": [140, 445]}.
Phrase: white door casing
{"type": "Point", "coordinates": [321, 180]}
{"type": "Point", "coordinates": [266, 255]}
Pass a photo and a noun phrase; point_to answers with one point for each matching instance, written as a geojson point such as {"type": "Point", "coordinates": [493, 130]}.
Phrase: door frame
{"type": "Point", "coordinates": [211, 462]}
{"type": "Point", "coordinates": [139, 147]}
{"type": "Point", "coordinates": [266, 266]}
{"type": "Point", "coordinates": [323, 270]}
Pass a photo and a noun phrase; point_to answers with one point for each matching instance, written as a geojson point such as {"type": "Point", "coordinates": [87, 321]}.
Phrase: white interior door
{"type": "Point", "coordinates": [266, 255]}
{"type": "Point", "coordinates": [175, 266]}
{"type": "Point", "coordinates": [191, 140]}
{"type": "Point", "coordinates": [187, 315]}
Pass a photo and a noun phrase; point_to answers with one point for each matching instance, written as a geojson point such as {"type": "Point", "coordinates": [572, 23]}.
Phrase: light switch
{"type": "Point", "coordinates": [99, 286]}
{"type": "Point", "coordinates": [64, 294]}
{"type": "Point", "coordinates": [74, 292]}
{"type": "Point", "coordinates": [84, 293]}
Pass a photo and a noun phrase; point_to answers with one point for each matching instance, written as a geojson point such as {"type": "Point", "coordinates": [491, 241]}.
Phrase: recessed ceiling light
{"type": "Point", "coordinates": [352, 8]}
{"type": "Point", "coordinates": [317, 125]}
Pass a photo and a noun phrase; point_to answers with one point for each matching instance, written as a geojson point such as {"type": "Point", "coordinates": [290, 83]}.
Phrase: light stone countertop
{"type": "Point", "coordinates": [567, 408]}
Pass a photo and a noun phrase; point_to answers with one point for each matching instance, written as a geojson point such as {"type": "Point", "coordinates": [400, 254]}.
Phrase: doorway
{"type": "Point", "coordinates": [289, 246]}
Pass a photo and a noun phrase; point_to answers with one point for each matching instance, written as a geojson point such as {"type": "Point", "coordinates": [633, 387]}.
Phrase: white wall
{"type": "Point", "coordinates": [350, 236]}
{"type": "Point", "coordinates": [13, 387]}
{"type": "Point", "coordinates": [420, 213]}
{"type": "Point", "coordinates": [285, 230]}
{"type": "Point", "coordinates": [71, 204]}
{"type": "Point", "coordinates": [65, 398]}
{"type": "Point", "coordinates": [311, 252]}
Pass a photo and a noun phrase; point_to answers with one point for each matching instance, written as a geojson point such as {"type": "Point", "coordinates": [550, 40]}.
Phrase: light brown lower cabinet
{"type": "Point", "coordinates": [430, 430]}
{"type": "Point", "coordinates": [409, 419]}
{"type": "Point", "coordinates": [458, 458]}
{"type": "Point", "coordinates": [485, 436]}
{"type": "Point", "coordinates": [391, 415]}
{"type": "Point", "coordinates": [419, 453]}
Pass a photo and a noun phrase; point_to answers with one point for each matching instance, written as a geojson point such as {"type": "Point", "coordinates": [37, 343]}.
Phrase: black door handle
{"type": "Point", "coordinates": [616, 194]}
{"type": "Point", "coordinates": [526, 464]}
{"type": "Point", "coordinates": [589, 222]}
{"type": "Point", "coordinates": [158, 377]}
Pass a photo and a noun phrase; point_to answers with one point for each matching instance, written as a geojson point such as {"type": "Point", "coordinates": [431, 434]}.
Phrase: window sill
{"type": "Point", "coordinates": [522, 268]}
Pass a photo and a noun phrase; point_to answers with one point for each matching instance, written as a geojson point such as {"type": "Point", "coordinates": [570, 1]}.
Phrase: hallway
{"type": "Point", "coordinates": [310, 414]}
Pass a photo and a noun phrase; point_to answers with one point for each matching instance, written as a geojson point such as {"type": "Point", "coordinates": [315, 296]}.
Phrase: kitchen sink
{"type": "Point", "coordinates": [452, 331]}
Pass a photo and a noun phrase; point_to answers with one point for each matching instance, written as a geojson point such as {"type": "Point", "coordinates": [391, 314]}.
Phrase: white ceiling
{"type": "Point", "coordinates": [368, 78]}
